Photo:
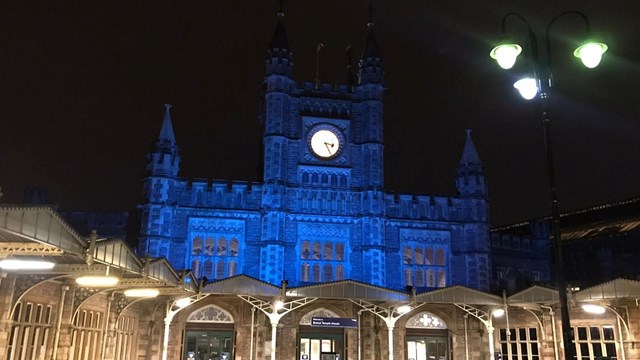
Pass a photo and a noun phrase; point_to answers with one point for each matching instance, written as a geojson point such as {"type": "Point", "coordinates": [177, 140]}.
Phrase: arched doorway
{"type": "Point", "coordinates": [320, 343]}
{"type": "Point", "coordinates": [209, 334]}
{"type": "Point", "coordinates": [427, 337]}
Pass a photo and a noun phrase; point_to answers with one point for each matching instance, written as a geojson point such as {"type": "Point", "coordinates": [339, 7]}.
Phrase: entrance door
{"type": "Point", "coordinates": [208, 345]}
{"type": "Point", "coordinates": [320, 347]}
{"type": "Point", "coordinates": [427, 348]}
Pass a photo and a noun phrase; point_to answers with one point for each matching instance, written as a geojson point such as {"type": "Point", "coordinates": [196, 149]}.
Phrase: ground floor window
{"type": "Point", "coordinates": [519, 344]}
{"type": "Point", "coordinates": [594, 342]}
{"type": "Point", "coordinates": [320, 346]}
{"type": "Point", "coordinates": [208, 345]}
{"type": "Point", "coordinates": [426, 347]}
{"type": "Point", "coordinates": [125, 338]}
{"type": "Point", "coordinates": [86, 338]}
{"type": "Point", "coordinates": [30, 332]}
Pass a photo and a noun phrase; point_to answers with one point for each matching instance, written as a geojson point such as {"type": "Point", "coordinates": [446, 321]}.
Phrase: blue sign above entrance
{"type": "Point", "coordinates": [334, 322]}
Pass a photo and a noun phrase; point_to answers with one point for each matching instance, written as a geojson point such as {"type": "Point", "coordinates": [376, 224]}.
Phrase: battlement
{"type": "Point", "coordinates": [433, 207]}
{"type": "Point", "coordinates": [217, 193]}
{"type": "Point", "coordinates": [324, 89]}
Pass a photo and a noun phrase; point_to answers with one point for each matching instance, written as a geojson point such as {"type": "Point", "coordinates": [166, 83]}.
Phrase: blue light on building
{"type": "Point", "coordinates": [321, 212]}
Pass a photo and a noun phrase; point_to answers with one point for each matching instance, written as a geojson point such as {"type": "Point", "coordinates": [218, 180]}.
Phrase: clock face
{"type": "Point", "coordinates": [325, 143]}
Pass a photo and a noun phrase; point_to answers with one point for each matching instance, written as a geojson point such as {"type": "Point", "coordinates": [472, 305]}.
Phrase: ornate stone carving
{"type": "Point", "coordinates": [426, 320]}
{"type": "Point", "coordinates": [323, 231]}
{"type": "Point", "coordinates": [80, 295]}
{"type": "Point", "coordinates": [217, 225]}
{"type": "Point", "coordinates": [210, 314]}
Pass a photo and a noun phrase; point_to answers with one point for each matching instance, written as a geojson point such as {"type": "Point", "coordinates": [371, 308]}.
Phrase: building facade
{"type": "Point", "coordinates": [316, 262]}
{"type": "Point", "coordinates": [321, 212]}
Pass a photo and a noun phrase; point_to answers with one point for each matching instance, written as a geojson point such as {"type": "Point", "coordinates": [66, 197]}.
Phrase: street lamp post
{"type": "Point", "coordinates": [540, 83]}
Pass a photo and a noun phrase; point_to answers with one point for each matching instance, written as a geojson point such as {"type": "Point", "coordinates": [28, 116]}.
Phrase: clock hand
{"type": "Point", "coordinates": [329, 147]}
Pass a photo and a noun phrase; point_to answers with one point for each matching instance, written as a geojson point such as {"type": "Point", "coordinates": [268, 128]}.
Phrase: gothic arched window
{"type": "Point", "coordinates": [305, 250]}
{"type": "Point", "coordinates": [196, 247]}
{"type": "Point", "coordinates": [440, 257]}
{"type": "Point", "coordinates": [208, 246]}
{"type": "Point", "coordinates": [316, 273]}
{"type": "Point", "coordinates": [233, 247]}
{"type": "Point", "coordinates": [207, 269]}
{"type": "Point", "coordinates": [210, 314]}
{"type": "Point", "coordinates": [232, 268]}
{"type": "Point", "coordinates": [425, 320]}
{"type": "Point", "coordinates": [221, 249]}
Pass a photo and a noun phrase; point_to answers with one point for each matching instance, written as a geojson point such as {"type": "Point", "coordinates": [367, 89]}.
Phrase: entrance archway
{"type": "Point", "coordinates": [209, 334]}
{"type": "Point", "coordinates": [427, 337]}
{"type": "Point", "coordinates": [316, 343]}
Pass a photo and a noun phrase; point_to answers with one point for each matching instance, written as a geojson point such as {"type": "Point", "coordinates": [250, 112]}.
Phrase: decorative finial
{"type": "Point", "coordinates": [167, 106]}
{"type": "Point", "coordinates": [280, 8]}
{"type": "Point", "coordinates": [370, 13]}
{"type": "Point", "coordinates": [468, 132]}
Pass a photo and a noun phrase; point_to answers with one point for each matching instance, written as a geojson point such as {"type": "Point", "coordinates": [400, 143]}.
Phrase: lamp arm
{"type": "Point", "coordinates": [547, 38]}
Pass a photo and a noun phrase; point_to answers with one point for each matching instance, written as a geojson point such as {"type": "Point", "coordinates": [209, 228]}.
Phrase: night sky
{"type": "Point", "coordinates": [82, 85]}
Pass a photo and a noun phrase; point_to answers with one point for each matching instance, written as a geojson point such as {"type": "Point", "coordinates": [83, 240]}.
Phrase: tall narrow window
{"type": "Point", "coordinates": [328, 251]}
{"type": "Point", "coordinates": [316, 250]}
{"type": "Point", "coordinates": [408, 277]}
{"type": "Point", "coordinates": [328, 272]}
{"type": "Point", "coordinates": [442, 278]}
{"type": "Point", "coordinates": [233, 247]}
{"type": "Point", "coordinates": [207, 269]}
{"type": "Point", "coordinates": [220, 264]}
{"type": "Point", "coordinates": [431, 278]}
{"type": "Point", "coordinates": [222, 247]}
{"type": "Point", "coordinates": [196, 248]}
{"type": "Point", "coordinates": [339, 252]}
{"type": "Point", "coordinates": [232, 268]}
{"type": "Point", "coordinates": [305, 251]}
{"type": "Point", "coordinates": [339, 272]}
{"type": "Point", "coordinates": [208, 246]}
{"type": "Point", "coordinates": [440, 257]}
{"type": "Point", "coordinates": [304, 272]}
{"type": "Point", "coordinates": [429, 257]}
{"type": "Point", "coordinates": [195, 267]}
{"type": "Point", "coordinates": [419, 277]}
{"type": "Point", "coordinates": [408, 255]}
{"type": "Point", "coordinates": [316, 273]}
{"type": "Point", "coordinates": [418, 257]}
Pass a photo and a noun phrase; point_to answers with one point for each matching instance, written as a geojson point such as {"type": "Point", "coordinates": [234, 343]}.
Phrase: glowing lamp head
{"type": "Point", "coordinates": [404, 309]}
{"type": "Point", "coordinates": [278, 304]}
{"type": "Point", "coordinates": [528, 87]}
{"type": "Point", "coordinates": [184, 302]}
{"type": "Point", "coordinates": [590, 52]}
{"type": "Point", "coordinates": [98, 281]}
{"type": "Point", "coordinates": [498, 313]}
{"type": "Point", "coordinates": [16, 264]}
{"type": "Point", "coordinates": [593, 308]}
{"type": "Point", "coordinates": [505, 54]}
{"type": "Point", "coordinates": [141, 293]}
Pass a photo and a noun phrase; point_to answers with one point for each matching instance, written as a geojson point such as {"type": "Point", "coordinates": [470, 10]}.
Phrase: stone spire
{"type": "Point", "coordinates": [164, 159]}
{"type": "Point", "coordinates": [166, 137]}
{"type": "Point", "coordinates": [371, 65]}
{"type": "Point", "coordinates": [470, 174]}
{"type": "Point", "coordinates": [279, 56]}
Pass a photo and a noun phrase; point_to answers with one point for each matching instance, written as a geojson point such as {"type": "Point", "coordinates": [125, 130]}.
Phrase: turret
{"type": "Point", "coordinates": [470, 180]}
{"type": "Point", "coordinates": [369, 91]}
{"type": "Point", "coordinates": [164, 159]}
{"type": "Point", "coordinates": [279, 57]}
{"type": "Point", "coordinates": [371, 67]}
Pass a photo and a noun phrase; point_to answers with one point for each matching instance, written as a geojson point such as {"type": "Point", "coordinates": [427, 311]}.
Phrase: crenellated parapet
{"type": "Point", "coordinates": [432, 207]}
{"type": "Point", "coordinates": [221, 194]}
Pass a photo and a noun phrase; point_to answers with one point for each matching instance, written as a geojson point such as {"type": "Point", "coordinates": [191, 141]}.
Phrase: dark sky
{"type": "Point", "coordinates": [82, 85]}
